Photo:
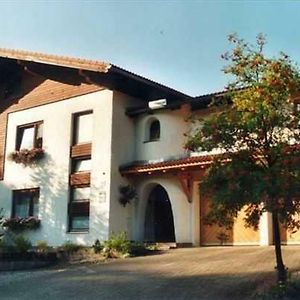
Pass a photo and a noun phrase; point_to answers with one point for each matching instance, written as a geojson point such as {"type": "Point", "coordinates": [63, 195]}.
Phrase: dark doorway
{"type": "Point", "coordinates": [159, 223]}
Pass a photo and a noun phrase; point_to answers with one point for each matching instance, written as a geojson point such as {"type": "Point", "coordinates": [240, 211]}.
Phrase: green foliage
{"type": "Point", "coordinates": [138, 249]}
{"type": "Point", "coordinates": [98, 246]}
{"type": "Point", "coordinates": [127, 194]}
{"type": "Point", "coordinates": [22, 244]}
{"type": "Point", "coordinates": [117, 244]}
{"type": "Point", "coordinates": [2, 244]}
{"type": "Point", "coordinates": [257, 133]}
{"type": "Point", "coordinates": [21, 224]}
{"type": "Point", "coordinates": [257, 137]}
{"type": "Point", "coordinates": [42, 246]}
{"type": "Point", "coordinates": [70, 247]}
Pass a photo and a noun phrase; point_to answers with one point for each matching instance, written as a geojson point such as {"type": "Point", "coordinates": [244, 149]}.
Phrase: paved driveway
{"type": "Point", "coordinates": [195, 273]}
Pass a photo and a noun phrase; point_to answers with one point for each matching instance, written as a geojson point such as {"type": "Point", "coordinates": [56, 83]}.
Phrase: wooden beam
{"type": "Point", "coordinates": [186, 181]}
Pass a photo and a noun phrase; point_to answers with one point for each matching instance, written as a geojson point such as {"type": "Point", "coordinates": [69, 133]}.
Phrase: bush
{"type": "Point", "coordinates": [116, 245]}
{"type": "Point", "coordinates": [42, 246]}
{"type": "Point", "coordinates": [71, 247]}
{"type": "Point", "coordinates": [2, 243]}
{"type": "Point", "coordinates": [98, 247]}
{"type": "Point", "coordinates": [137, 249]}
{"type": "Point", "coordinates": [22, 244]}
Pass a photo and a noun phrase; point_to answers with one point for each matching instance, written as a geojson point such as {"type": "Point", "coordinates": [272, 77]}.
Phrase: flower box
{"type": "Point", "coordinates": [26, 156]}
{"type": "Point", "coordinates": [20, 224]}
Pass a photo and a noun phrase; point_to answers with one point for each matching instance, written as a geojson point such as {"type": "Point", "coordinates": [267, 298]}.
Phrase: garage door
{"type": "Point", "coordinates": [216, 235]}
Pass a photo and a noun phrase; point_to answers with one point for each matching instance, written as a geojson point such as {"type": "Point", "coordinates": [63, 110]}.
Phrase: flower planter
{"type": "Point", "coordinates": [21, 224]}
{"type": "Point", "coordinates": [27, 157]}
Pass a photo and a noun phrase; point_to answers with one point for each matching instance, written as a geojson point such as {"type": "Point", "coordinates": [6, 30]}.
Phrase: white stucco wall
{"type": "Point", "coordinates": [53, 173]}
{"type": "Point", "coordinates": [172, 129]}
{"type": "Point", "coordinates": [123, 151]}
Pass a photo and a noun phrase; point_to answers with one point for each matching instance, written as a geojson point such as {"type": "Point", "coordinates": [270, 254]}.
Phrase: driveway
{"type": "Point", "coordinates": [195, 273]}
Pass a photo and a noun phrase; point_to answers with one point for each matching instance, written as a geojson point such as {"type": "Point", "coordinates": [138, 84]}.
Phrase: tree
{"type": "Point", "coordinates": [257, 134]}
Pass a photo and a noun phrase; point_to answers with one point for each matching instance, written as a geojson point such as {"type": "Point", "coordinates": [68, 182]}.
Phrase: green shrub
{"type": "Point", "coordinates": [117, 244]}
{"type": "Point", "coordinates": [137, 249]}
{"type": "Point", "coordinates": [42, 246]}
{"type": "Point", "coordinates": [22, 244]}
{"type": "Point", "coordinates": [98, 246]}
{"type": "Point", "coordinates": [2, 243]}
{"type": "Point", "coordinates": [71, 247]}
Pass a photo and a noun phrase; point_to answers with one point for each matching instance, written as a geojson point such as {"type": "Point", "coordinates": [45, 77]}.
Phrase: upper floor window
{"type": "Point", "coordinates": [83, 127]}
{"type": "Point", "coordinates": [82, 165]}
{"type": "Point", "coordinates": [26, 203]}
{"type": "Point", "coordinates": [154, 131]}
{"type": "Point", "coordinates": [30, 136]}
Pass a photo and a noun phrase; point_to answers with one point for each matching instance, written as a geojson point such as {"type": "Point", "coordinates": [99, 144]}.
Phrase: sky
{"type": "Point", "coordinates": [176, 43]}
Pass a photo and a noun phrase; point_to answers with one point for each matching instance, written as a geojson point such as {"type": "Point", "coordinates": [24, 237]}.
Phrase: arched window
{"type": "Point", "coordinates": [154, 131]}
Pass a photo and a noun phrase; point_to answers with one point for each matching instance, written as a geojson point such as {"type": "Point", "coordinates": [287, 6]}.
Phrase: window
{"type": "Point", "coordinates": [30, 136]}
{"type": "Point", "coordinates": [82, 165]}
{"type": "Point", "coordinates": [83, 127]}
{"type": "Point", "coordinates": [154, 131]}
{"type": "Point", "coordinates": [25, 203]}
{"type": "Point", "coordinates": [79, 209]}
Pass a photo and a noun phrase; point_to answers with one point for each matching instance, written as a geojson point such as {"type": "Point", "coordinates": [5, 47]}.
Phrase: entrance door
{"type": "Point", "coordinates": [159, 223]}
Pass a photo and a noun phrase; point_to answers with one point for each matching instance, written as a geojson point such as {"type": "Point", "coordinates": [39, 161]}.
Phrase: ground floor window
{"type": "Point", "coordinates": [79, 208]}
{"type": "Point", "coordinates": [26, 203]}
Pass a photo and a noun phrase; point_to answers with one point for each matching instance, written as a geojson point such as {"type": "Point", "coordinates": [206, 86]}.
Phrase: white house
{"type": "Point", "coordinates": [102, 127]}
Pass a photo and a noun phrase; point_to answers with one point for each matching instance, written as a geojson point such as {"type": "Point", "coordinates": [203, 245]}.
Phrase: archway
{"type": "Point", "coordinates": [159, 222]}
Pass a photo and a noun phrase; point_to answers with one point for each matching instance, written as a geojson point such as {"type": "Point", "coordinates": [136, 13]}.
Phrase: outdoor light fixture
{"type": "Point", "coordinates": [156, 104]}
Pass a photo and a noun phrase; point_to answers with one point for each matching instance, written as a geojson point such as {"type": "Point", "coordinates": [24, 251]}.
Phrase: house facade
{"type": "Point", "coordinates": [97, 128]}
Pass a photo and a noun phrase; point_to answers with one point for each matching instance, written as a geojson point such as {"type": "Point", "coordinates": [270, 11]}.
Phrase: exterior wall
{"type": "Point", "coordinates": [37, 90]}
{"type": "Point", "coordinates": [52, 174]}
{"type": "Point", "coordinates": [123, 151]}
{"type": "Point", "coordinates": [265, 229]}
{"type": "Point", "coordinates": [172, 129]}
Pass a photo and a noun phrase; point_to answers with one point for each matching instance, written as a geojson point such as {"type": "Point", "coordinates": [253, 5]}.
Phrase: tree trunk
{"type": "Point", "coordinates": [281, 270]}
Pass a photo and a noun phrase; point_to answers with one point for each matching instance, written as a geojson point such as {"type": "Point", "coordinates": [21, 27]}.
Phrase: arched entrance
{"type": "Point", "coordinates": [159, 223]}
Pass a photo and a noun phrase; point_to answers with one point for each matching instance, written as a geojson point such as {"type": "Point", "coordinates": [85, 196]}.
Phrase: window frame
{"type": "Point", "coordinates": [147, 130]}
{"type": "Point", "coordinates": [74, 203]}
{"type": "Point", "coordinates": [75, 126]}
{"type": "Point", "coordinates": [16, 194]}
{"type": "Point", "coordinates": [35, 142]}
{"type": "Point", "coordinates": [76, 160]}
{"type": "Point", "coordinates": [152, 134]}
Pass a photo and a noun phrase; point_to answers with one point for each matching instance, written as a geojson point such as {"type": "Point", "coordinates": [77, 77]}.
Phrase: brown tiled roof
{"type": "Point", "coordinates": [183, 164]}
{"type": "Point", "coordinates": [77, 63]}
{"type": "Point", "coordinates": [193, 162]}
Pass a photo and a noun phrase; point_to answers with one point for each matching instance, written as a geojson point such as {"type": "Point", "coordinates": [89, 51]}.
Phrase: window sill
{"type": "Point", "coordinates": [78, 232]}
{"type": "Point", "coordinates": [145, 142]}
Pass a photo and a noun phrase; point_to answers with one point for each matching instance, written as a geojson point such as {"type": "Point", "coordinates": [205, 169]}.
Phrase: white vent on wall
{"type": "Point", "coordinates": [157, 103]}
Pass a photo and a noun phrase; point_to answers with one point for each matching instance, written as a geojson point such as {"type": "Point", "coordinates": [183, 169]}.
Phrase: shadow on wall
{"type": "Point", "coordinates": [53, 181]}
{"type": "Point", "coordinates": [53, 203]}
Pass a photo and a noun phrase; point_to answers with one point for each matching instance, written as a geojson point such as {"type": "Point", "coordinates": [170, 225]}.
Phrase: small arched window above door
{"type": "Point", "coordinates": [154, 131]}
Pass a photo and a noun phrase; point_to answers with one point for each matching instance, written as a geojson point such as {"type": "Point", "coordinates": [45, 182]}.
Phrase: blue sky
{"type": "Point", "coordinates": [177, 43]}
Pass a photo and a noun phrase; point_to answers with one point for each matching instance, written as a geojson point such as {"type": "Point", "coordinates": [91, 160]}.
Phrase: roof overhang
{"type": "Point", "coordinates": [193, 163]}
{"type": "Point", "coordinates": [98, 72]}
